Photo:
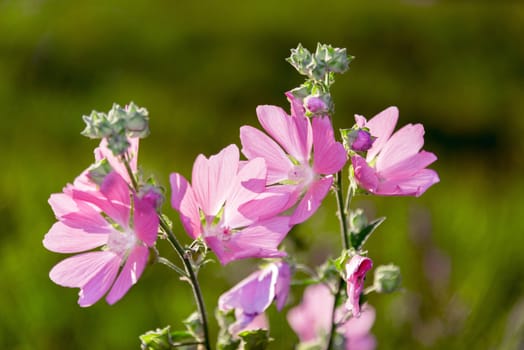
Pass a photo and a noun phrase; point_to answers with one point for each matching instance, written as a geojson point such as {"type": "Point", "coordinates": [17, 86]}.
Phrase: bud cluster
{"type": "Point", "coordinates": [117, 125]}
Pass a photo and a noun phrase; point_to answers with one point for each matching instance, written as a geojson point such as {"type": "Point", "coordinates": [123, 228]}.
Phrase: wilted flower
{"type": "Point", "coordinates": [356, 270]}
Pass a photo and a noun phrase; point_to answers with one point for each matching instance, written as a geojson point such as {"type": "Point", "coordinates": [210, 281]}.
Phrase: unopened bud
{"type": "Point", "coordinates": [358, 220]}
{"type": "Point", "coordinates": [137, 121]}
{"type": "Point", "coordinates": [301, 59]}
{"type": "Point", "coordinates": [98, 171]}
{"type": "Point", "coordinates": [316, 105]}
{"type": "Point", "coordinates": [387, 278]}
{"type": "Point", "coordinates": [153, 195]}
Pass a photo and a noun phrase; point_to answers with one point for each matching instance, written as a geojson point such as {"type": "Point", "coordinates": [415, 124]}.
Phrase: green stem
{"type": "Point", "coordinates": [344, 232]}
{"type": "Point", "coordinates": [195, 286]}
{"type": "Point", "coordinates": [189, 271]}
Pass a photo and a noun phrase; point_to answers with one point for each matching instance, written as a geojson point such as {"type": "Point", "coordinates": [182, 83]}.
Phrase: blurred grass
{"type": "Point", "coordinates": [201, 69]}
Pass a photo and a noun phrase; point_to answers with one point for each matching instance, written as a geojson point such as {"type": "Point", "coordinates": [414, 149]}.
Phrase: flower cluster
{"type": "Point", "coordinates": [242, 208]}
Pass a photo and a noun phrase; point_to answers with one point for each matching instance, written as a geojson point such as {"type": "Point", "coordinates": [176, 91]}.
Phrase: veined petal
{"type": "Point", "coordinates": [248, 184]}
{"type": "Point", "coordinates": [366, 176]}
{"type": "Point", "coordinates": [408, 166]}
{"type": "Point", "coordinates": [78, 270]}
{"type": "Point", "coordinates": [145, 221]}
{"type": "Point", "coordinates": [212, 179]}
{"type": "Point", "coordinates": [381, 126]}
{"type": "Point", "coordinates": [266, 205]}
{"type": "Point", "coordinates": [99, 284]}
{"type": "Point", "coordinates": [312, 200]}
{"type": "Point", "coordinates": [257, 144]}
{"type": "Point", "coordinates": [415, 185]}
{"type": "Point", "coordinates": [290, 132]}
{"type": "Point", "coordinates": [183, 200]}
{"type": "Point", "coordinates": [64, 239]}
{"type": "Point", "coordinates": [259, 240]}
{"type": "Point", "coordinates": [78, 214]}
{"type": "Point", "coordinates": [404, 143]}
{"type": "Point", "coordinates": [130, 273]}
{"type": "Point", "coordinates": [329, 155]}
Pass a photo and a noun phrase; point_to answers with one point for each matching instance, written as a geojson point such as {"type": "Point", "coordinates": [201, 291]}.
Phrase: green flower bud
{"type": "Point", "coordinates": [387, 278]}
{"type": "Point", "coordinates": [137, 121]}
{"type": "Point", "coordinates": [98, 171]}
{"type": "Point", "coordinates": [301, 59]}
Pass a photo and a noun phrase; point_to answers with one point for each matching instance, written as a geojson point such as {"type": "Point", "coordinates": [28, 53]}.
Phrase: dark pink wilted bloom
{"type": "Point", "coordinates": [394, 165]}
{"type": "Point", "coordinates": [311, 320]}
{"type": "Point", "coordinates": [356, 270]}
{"type": "Point", "coordinates": [301, 154]}
{"type": "Point", "coordinates": [228, 205]}
{"type": "Point", "coordinates": [254, 294]}
{"type": "Point", "coordinates": [111, 216]}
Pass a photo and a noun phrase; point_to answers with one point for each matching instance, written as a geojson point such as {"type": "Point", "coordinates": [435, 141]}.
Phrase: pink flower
{"type": "Point", "coordinates": [394, 165]}
{"type": "Point", "coordinates": [228, 205]}
{"type": "Point", "coordinates": [301, 156]}
{"type": "Point", "coordinates": [311, 320]}
{"type": "Point", "coordinates": [254, 294]}
{"type": "Point", "coordinates": [111, 216]}
{"type": "Point", "coordinates": [356, 271]}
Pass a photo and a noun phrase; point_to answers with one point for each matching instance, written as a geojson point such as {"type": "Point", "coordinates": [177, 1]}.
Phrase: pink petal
{"type": "Point", "coordinates": [78, 270]}
{"type": "Point", "coordinates": [103, 152]}
{"type": "Point", "coordinates": [408, 166]}
{"type": "Point", "coordinates": [247, 185]}
{"type": "Point", "coordinates": [312, 200]}
{"type": "Point", "coordinates": [266, 205]}
{"type": "Point", "coordinates": [283, 284]}
{"type": "Point", "coordinates": [65, 239]}
{"type": "Point", "coordinates": [329, 155]}
{"type": "Point", "coordinates": [145, 221]}
{"type": "Point", "coordinates": [212, 179]}
{"type": "Point", "coordinates": [259, 240]}
{"type": "Point", "coordinates": [381, 126]}
{"type": "Point", "coordinates": [415, 185]}
{"type": "Point", "coordinates": [99, 284]}
{"type": "Point", "coordinates": [404, 144]}
{"type": "Point", "coordinates": [292, 133]}
{"type": "Point", "coordinates": [257, 144]}
{"type": "Point", "coordinates": [361, 326]}
{"type": "Point", "coordinates": [366, 176]}
{"type": "Point", "coordinates": [130, 274]}
{"type": "Point", "coordinates": [183, 200]}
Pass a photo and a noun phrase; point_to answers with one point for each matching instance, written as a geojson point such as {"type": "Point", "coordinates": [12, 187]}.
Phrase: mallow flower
{"type": "Point", "coordinates": [356, 270]}
{"type": "Point", "coordinates": [311, 320]}
{"type": "Point", "coordinates": [228, 206]}
{"type": "Point", "coordinates": [254, 294]}
{"type": "Point", "coordinates": [395, 164]}
{"type": "Point", "coordinates": [301, 154]}
{"type": "Point", "coordinates": [111, 216]}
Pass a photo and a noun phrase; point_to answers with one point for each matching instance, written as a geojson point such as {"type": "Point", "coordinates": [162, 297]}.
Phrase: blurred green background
{"type": "Point", "coordinates": [201, 68]}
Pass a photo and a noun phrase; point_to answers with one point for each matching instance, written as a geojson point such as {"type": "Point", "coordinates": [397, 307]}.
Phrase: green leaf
{"type": "Point", "coordinates": [257, 339]}
{"type": "Point", "coordinates": [359, 235]}
{"type": "Point", "coordinates": [164, 339]}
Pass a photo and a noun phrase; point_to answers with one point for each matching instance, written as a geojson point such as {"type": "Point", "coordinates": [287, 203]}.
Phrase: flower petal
{"type": "Point", "coordinates": [293, 133]}
{"type": "Point", "coordinates": [329, 155]}
{"type": "Point", "coordinates": [99, 284]}
{"type": "Point", "coordinates": [183, 200]}
{"type": "Point", "coordinates": [365, 175]}
{"type": "Point", "coordinates": [312, 200]}
{"type": "Point", "coordinates": [212, 178]}
{"type": "Point", "coordinates": [381, 126]}
{"type": "Point", "coordinates": [259, 240]}
{"type": "Point", "coordinates": [257, 144]}
{"type": "Point", "coordinates": [78, 270]}
{"type": "Point", "coordinates": [404, 144]}
{"type": "Point", "coordinates": [145, 221]}
{"type": "Point", "coordinates": [130, 274]}
{"type": "Point", "coordinates": [64, 239]}
{"type": "Point", "coordinates": [415, 185]}
{"type": "Point", "coordinates": [409, 166]}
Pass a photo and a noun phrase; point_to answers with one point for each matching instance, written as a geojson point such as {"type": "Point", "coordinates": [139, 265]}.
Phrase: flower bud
{"type": "Point", "coordinates": [301, 59]}
{"type": "Point", "coordinates": [98, 171]}
{"type": "Point", "coordinates": [316, 105]}
{"type": "Point", "coordinates": [153, 195]}
{"type": "Point", "coordinates": [359, 140]}
{"type": "Point", "coordinates": [387, 278]}
{"type": "Point", "coordinates": [137, 121]}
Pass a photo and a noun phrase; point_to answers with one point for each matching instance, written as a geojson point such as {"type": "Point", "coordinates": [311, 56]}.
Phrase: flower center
{"type": "Point", "coordinates": [121, 242]}
{"type": "Point", "coordinates": [301, 174]}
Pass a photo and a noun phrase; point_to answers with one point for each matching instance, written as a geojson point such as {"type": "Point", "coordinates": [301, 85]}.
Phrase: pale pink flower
{"type": "Point", "coordinates": [229, 207]}
{"type": "Point", "coordinates": [301, 154]}
{"type": "Point", "coordinates": [112, 217]}
{"type": "Point", "coordinates": [254, 294]}
{"type": "Point", "coordinates": [311, 320]}
{"type": "Point", "coordinates": [356, 270]}
{"type": "Point", "coordinates": [394, 165]}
